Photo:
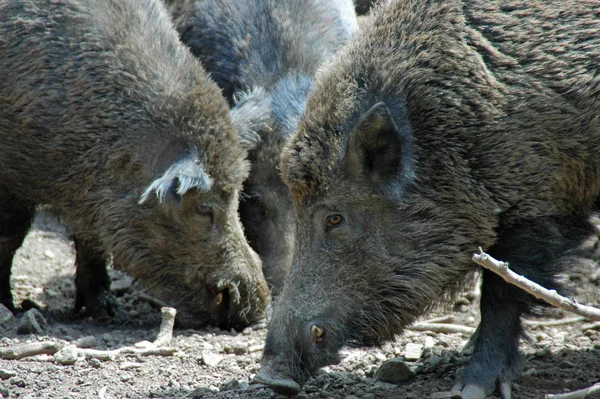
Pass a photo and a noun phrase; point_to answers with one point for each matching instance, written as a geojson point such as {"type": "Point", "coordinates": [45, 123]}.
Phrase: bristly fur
{"type": "Point", "coordinates": [101, 107]}
{"type": "Point", "coordinates": [499, 102]}
{"type": "Point", "coordinates": [264, 54]}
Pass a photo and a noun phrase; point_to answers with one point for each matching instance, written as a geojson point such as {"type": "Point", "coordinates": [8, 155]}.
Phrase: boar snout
{"type": "Point", "coordinates": [273, 375]}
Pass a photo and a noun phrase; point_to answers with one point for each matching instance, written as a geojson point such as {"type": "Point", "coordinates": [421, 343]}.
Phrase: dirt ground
{"type": "Point", "coordinates": [220, 364]}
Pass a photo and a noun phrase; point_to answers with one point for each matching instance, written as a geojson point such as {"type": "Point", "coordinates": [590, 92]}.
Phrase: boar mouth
{"type": "Point", "coordinates": [280, 383]}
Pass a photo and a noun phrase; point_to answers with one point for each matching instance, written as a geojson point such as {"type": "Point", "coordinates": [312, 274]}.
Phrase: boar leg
{"type": "Point", "coordinates": [92, 281]}
{"type": "Point", "coordinates": [536, 250]}
{"type": "Point", "coordinates": [15, 220]}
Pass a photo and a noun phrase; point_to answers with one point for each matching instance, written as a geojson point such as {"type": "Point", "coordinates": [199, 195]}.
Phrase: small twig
{"type": "Point", "coordinates": [126, 350]}
{"type": "Point", "coordinates": [25, 350]}
{"type": "Point", "coordinates": [553, 323]}
{"type": "Point", "coordinates": [580, 394]}
{"type": "Point", "coordinates": [155, 302]}
{"type": "Point", "coordinates": [442, 328]}
{"type": "Point", "coordinates": [550, 296]}
{"type": "Point", "coordinates": [165, 334]}
{"type": "Point", "coordinates": [591, 326]}
{"type": "Point", "coordinates": [442, 319]}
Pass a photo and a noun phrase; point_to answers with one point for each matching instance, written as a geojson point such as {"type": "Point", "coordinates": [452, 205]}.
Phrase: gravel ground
{"type": "Point", "coordinates": [220, 364]}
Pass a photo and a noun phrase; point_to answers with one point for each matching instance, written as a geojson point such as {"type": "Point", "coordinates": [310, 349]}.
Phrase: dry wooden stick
{"type": "Point", "coordinates": [553, 323]}
{"type": "Point", "coordinates": [155, 302]}
{"type": "Point", "coordinates": [442, 319]}
{"type": "Point", "coordinates": [165, 334]}
{"type": "Point", "coordinates": [580, 394]}
{"type": "Point", "coordinates": [442, 328]}
{"type": "Point", "coordinates": [550, 296]}
{"type": "Point", "coordinates": [25, 350]}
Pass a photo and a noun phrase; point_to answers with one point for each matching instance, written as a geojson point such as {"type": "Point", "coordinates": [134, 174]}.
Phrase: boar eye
{"type": "Point", "coordinates": [333, 221]}
{"type": "Point", "coordinates": [204, 211]}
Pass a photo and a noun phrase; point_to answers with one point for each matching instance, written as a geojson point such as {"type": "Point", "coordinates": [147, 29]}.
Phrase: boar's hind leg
{"type": "Point", "coordinates": [92, 281]}
{"type": "Point", "coordinates": [535, 249]}
{"type": "Point", "coordinates": [15, 220]}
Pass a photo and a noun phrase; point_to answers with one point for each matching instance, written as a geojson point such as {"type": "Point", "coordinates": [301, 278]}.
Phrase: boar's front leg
{"type": "Point", "coordinates": [15, 220]}
{"type": "Point", "coordinates": [92, 281]}
{"type": "Point", "coordinates": [537, 250]}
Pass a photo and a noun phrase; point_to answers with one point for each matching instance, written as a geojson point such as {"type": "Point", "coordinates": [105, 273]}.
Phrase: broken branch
{"type": "Point", "coordinates": [550, 296]}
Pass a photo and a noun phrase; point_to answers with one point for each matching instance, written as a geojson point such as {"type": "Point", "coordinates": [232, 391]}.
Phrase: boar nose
{"type": "Point", "coordinates": [272, 373]}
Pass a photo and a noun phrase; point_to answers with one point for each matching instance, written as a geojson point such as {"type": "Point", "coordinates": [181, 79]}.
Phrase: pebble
{"type": "Point", "coordinates": [4, 392]}
{"type": "Point", "coordinates": [6, 374]}
{"type": "Point", "coordinates": [413, 351]}
{"type": "Point", "coordinates": [8, 323]}
{"type": "Point", "coordinates": [143, 344]}
{"type": "Point", "coordinates": [130, 365]}
{"type": "Point", "coordinates": [247, 331]}
{"type": "Point", "coordinates": [394, 371]}
{"type": "Point", "coordinates": [19, 382]}
{"type": "Point", "coordinates": [32, 322]}
{"type": "Point", "coordinates": [67, 355]}
{"type": "Point", "coordinates": [234, 384]}
{"type": "Point", "coordinates": [49, 254]}
{"type": "Point", "coordinates": [211, 359]}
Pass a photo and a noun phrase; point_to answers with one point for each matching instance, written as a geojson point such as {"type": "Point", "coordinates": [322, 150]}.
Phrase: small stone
{"type": "Point", "coordinates": [8, 323]}
{"type": "Point", "coordinates": [130, 365]}
{"type": "Point", "coordinates": [413, 351]}
{"type": "Point", "coordinates": [4, 392]}
{"type": "Point", "coordinates": [247, 331]}
{"type": "Point", "coordinates": [32, 322]}
{"type": "Point", "coordinates": [239, 349]}
{"type": "Point", "coordinates": [18, 382]}
{"type": "Point", "coordinates": [203, 391]}
{"type": "Point", "coordinates": [211, 359]}
{"type": "Point", "coordinates": [107, 337]}
{"type": "Point", "coordinates": [49, 254]}
{"type": "Point", "coordinates": [6, 374]}
{"type": "Point", "coordinates": [394, 371]}
{"type": "Point", "coordinates": [67, 355]}
{"type": "Point", "coordinates": [86, 342]}
{"type": "Point", "coordinates": [234, 384]}
{"type": "Point", "coordinates": [429, 342]}
{"type": "Point", "coordinates": [95, 363]}
{"type": "Point", "coordinates": [380, 356]}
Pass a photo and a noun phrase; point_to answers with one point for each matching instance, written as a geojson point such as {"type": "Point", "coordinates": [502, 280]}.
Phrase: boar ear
{"type": "Point", "coordinates": [251, 113]}
{"type": "Point", "coordinates": [185, 174]}
{"type": "Point", "coordinates": [375, 147]}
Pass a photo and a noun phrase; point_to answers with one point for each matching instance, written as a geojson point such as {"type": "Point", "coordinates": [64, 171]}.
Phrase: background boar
{"type": "Point", "coordinates": [263, 54]}
{"type": "Point", "coordinates": [443, 127]}
{"type": "Point", "coordinates": [108, 118]}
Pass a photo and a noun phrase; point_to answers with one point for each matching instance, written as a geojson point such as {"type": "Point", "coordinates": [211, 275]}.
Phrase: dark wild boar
{"type": "Point", "coordinates": [108, 118]}
{"type": "Point", "coordinates": [444, 126]}
{"type": "Point", "coordinates": [264, 54]}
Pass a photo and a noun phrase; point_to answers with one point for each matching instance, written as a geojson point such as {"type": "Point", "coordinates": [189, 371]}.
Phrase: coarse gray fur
{"type": "Point", "coordinates": [109, 119]}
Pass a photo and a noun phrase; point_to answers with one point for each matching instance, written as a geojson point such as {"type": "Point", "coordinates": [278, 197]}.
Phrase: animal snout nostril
{"type": "Point", "coordinates": [317, 333]}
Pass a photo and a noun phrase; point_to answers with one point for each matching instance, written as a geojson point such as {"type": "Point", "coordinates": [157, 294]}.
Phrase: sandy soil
{"type": "Point", "coordinates": [220, 364]}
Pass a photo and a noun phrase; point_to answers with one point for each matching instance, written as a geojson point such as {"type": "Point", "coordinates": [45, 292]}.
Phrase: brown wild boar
{"type": "Point", "coordinates": [109, 119]}
{"type": "Point", "coordinates": [444, 126]}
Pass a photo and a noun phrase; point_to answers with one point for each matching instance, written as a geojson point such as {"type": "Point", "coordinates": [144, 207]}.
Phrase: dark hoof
{"type": "Point", "coordinates": [281, 384]}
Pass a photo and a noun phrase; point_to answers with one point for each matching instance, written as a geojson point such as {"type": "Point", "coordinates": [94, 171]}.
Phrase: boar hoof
{"type": "Point", "coordinates": [280, 384]}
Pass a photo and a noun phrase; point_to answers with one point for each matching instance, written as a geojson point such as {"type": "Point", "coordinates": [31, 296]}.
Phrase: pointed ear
{"type": "Point", "coordinates": [251, 113]}
{"type": "Point", "coordinates": [375, 147]}
{"type": "Point", "coordinates": [185, 174]}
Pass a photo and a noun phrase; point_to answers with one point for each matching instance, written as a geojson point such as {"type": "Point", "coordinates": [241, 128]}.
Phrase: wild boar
{"type": "Point", "coordinates": [444, 126]}
{"type": "Point", "coordinates": [109, 119]}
